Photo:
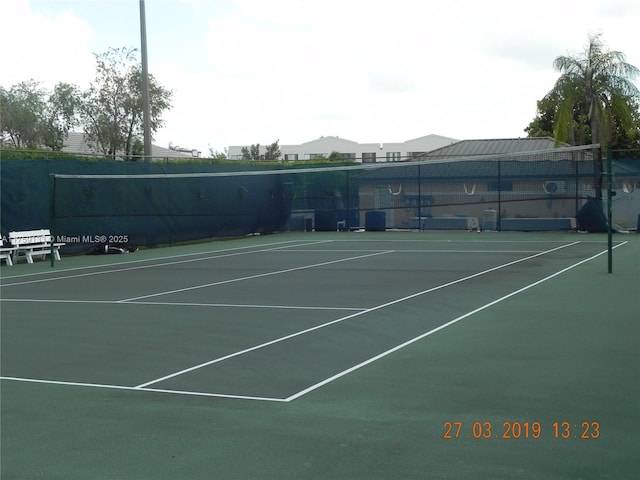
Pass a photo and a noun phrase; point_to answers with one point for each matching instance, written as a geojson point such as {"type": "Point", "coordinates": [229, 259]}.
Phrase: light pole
{"type": "Point", "coordinates": [146, 116]}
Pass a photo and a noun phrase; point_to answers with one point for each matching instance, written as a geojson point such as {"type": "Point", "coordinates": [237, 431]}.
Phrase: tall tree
{"type": "Point", "coordinates": [32, 117]}
{"type": "Point", "coordinates": [273, 152]}
{"type": "Point", "coordinates": [251, 153]}
{"type": "Point", "coordinates": [22, 108]}
{"type": "Point", "coordinates": [112, 106]}
{"type": "Point", "coordinates": [628, 138]}
{"type": "Point", "coordinates": [594, 87]}
{"type": "Point", "coordinates": [61, 115]}
{"type": "Point", "coordinates": [543, 123]}
{"type": "Point", "coordinates": [593, 98]}
{"type": "Point", "coordinates": [216, 155]}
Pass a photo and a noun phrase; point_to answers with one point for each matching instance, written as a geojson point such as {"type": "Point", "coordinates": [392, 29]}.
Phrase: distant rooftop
{"type": "Point", "coordinates": [76, 144]}
{"type": "Point", "coordinates": [468, 148]}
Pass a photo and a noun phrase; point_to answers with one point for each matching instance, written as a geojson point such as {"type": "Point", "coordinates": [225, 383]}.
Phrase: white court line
{"type": "Point", "coordinates": [395, 250]}
{"type": "Point", "coordinates": [345, 372]}
{"type": "Point", "coordinates": [342, 319]}
{"type": "Point", "coordinates": [441, 327]}
{"type": "Point", "coordinates": [282, 245]}
{"type": "Point", "coordinates": [129, 262]}
{"type": "Point", "coordinates": [157, 390]}
{"type": "Point", "coordinates": [336, 376]}
{"type": "Point", "coordinates": [181, 304]}
{"type": "Point", "coordinates": [240, 305]}
{"type": "Point", "coordinates": [139, 267]}
{"type": "Point", "coordinates": [476, 240]}
{"type": "Point", "coordinates": [250, 277]}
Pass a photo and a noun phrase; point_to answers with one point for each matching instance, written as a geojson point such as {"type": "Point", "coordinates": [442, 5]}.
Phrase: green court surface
{"type": "Point", "coordinates": [347, 355]}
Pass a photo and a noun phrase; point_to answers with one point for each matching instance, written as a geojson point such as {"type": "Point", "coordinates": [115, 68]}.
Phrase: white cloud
{"type": "Point", "coordinates": [49, 49]}
{"type": "Point", "coordinates": [250, 71]}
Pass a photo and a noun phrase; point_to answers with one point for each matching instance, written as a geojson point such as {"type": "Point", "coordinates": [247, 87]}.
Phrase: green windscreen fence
{"type": "Point", "coordinates": [114, 200]}
{"type": "Point", "coordinates": [148, 205]}
{"type": "Point", "coordinates": [435, 193]}
{"type": "Point", "coordinates": [164, 209]}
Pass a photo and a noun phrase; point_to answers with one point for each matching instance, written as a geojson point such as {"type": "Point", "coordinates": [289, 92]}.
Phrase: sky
{"type": "Point", "coordinates": [371, 71]}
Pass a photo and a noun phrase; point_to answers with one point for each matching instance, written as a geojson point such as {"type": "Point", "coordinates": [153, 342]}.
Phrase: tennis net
{"type": "Point", "coordinates": [156, 209]}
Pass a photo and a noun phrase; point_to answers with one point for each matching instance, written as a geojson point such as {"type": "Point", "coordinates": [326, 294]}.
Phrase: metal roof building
{"type": "Point", "coordinates": [76, 143]}
{"type": "Point", "coordinates": [468, 148]}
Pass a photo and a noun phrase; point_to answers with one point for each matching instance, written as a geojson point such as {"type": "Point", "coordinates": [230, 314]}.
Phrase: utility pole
{"type": "Point", "coordinates": [146, 115]}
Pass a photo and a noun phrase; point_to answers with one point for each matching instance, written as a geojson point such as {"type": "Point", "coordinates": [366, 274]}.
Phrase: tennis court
{"type": "Point", "coordinates": [326, 355]}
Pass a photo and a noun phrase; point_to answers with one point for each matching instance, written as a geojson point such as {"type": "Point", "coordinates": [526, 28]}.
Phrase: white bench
{"type": "Point", "coordinates": [537, 224]}
{"type": "Point", "coordinates": [6, 252]}
{"type": "Point", "coordinates": [444, 223]}
{"type": "Point", "coordinates": [30, 243]}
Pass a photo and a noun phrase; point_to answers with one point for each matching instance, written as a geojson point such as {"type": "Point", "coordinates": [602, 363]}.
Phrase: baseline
{"type": "Point", "coordinates": [157, 390]}
{"type": "Point", "coordinates": [181, 304]}
{"type": "Point", "coordinates": [139, 267]}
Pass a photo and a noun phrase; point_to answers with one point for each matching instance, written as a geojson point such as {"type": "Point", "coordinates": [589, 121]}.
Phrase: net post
{"type": "Point", "coordinates": [52, 216]}
{"type": "Point", "coordinates": [499, 213]}
{"type": "Point", "coordinates": [348, 219]}
{"type": "Point", "coordinates": [609, 211]}
{"type": "Point", "coordinates": [419, 199]}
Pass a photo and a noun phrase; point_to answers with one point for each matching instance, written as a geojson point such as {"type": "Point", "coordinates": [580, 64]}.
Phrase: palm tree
{"type": "Point", "coordinates": [595, 90]}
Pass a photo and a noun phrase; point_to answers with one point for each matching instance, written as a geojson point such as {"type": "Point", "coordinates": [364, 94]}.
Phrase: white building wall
{"type": "Point", "coordinates": [360, 152]}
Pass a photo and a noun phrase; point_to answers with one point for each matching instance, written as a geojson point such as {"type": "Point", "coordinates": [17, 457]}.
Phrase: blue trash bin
{"type": "Point", "coordinates": [375, 221]}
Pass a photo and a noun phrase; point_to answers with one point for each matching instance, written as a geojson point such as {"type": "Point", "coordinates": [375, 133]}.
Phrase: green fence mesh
{"type": "Point", "coordinates": [151, 204]}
